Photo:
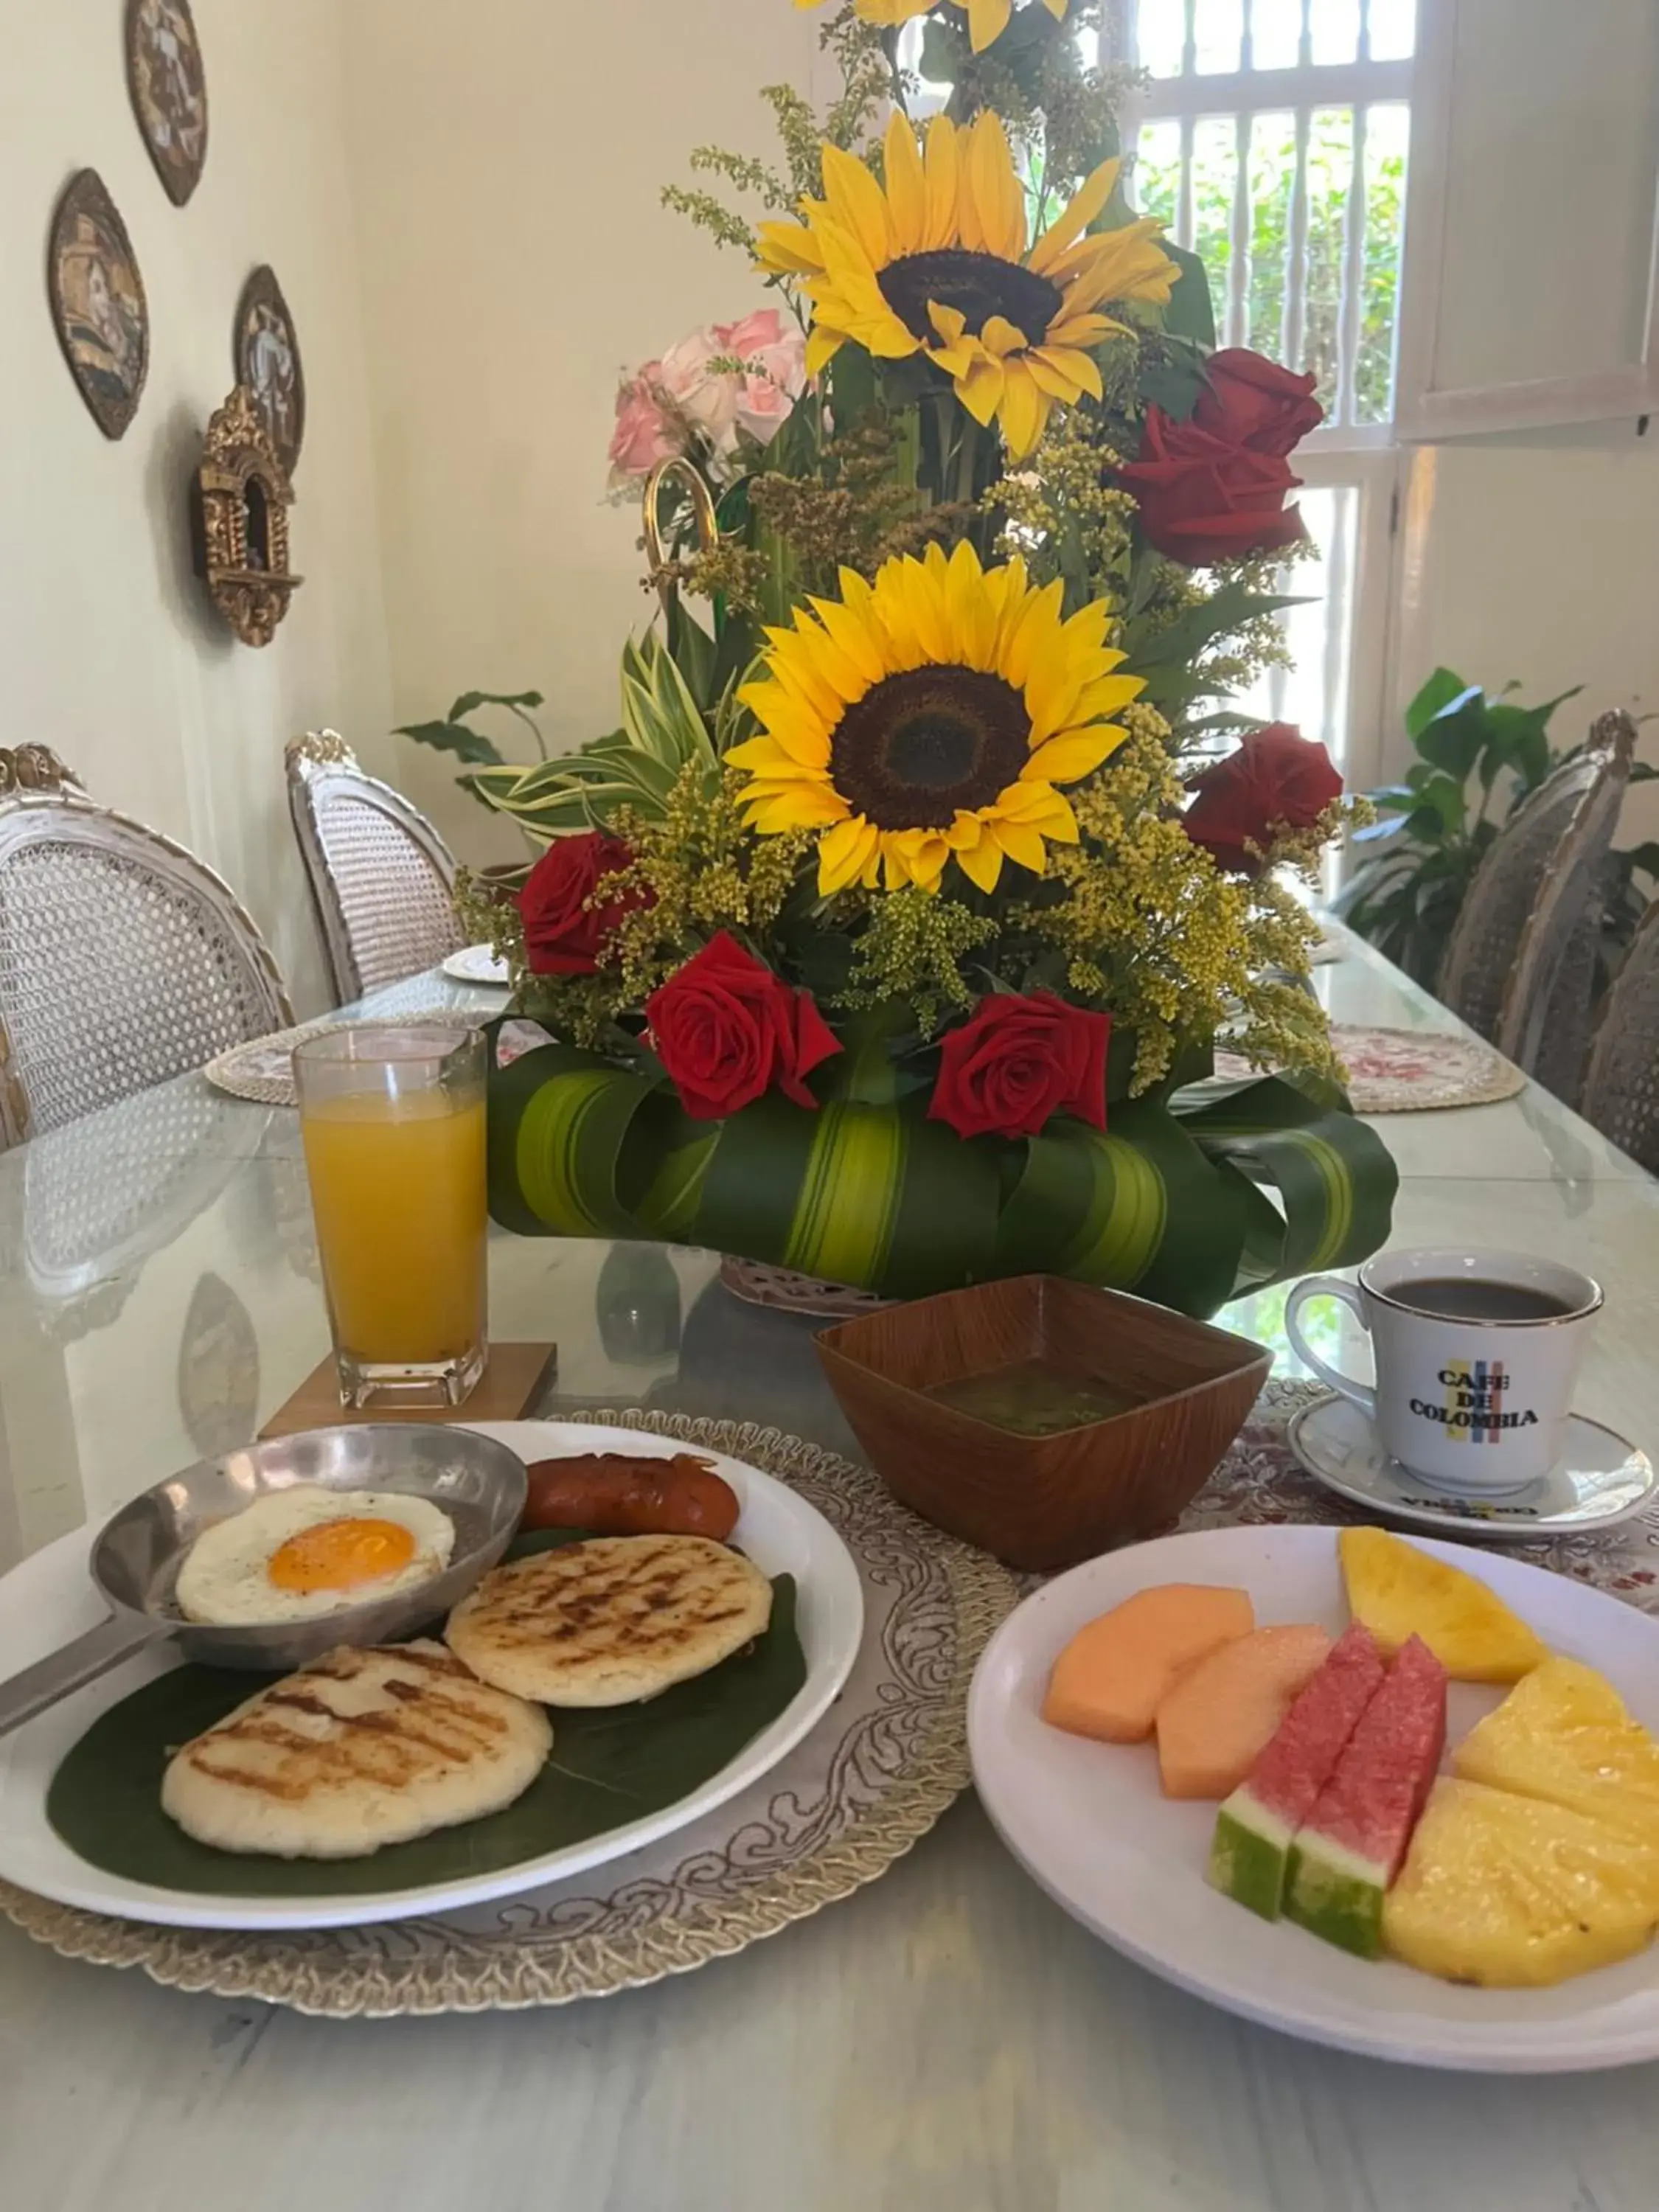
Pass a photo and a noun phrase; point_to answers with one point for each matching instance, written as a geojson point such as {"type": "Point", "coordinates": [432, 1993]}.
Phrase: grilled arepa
{"type": "Point", "coordinates": [359, 1749]}
{"type": "Point", "coordinates": [607, 1622]}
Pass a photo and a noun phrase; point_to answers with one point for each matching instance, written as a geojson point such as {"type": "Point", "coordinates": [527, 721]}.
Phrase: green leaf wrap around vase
{"type": "Point", "coordinates": [1189, 1200]}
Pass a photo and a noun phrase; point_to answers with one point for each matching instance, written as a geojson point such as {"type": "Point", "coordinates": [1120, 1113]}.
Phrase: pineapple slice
{"type": "Point", "coordinates": [1563, 1735]}
{"type": "Point", "coordinates": [1511, 1893]}
{"type": "Point", "coordinates": [1399, 1592]}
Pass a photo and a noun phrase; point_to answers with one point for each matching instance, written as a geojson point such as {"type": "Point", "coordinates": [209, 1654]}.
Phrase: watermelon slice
{"type": "Point", "coordinates": [1350, 1848]}
{"type": "Point", "coordinates": [1250, 1857]}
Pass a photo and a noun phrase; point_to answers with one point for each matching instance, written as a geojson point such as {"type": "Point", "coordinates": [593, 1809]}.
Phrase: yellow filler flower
{"type": "Point", "coordinates": [927, 718]}
{"type": "Point", "coordinates": [937, 264]}
{"type": "Point", "coordinates": [986, 19]}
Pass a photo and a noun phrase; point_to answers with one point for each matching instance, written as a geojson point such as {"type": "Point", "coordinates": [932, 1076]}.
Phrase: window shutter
{"type": "Point", "coordinates": [1532, 239]}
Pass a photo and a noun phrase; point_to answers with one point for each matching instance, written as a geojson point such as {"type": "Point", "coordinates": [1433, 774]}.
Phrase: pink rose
{"type": "Point", "coordinates": [708, 400]}
{"type": "Point", "coordinates": [643, 436]}
{"type": "Point", "coordinates": [775, 355]}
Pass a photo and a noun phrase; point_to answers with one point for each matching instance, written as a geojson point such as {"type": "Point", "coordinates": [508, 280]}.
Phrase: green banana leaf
{"type": "Point", "coordinates": [1189, 1200]}
{"type": "Point", "coordinates": [610, 1765]}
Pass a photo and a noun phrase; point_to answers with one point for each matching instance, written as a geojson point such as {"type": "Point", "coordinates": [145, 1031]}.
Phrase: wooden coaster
{"type": "Point", "coordinates": [513, 1381]}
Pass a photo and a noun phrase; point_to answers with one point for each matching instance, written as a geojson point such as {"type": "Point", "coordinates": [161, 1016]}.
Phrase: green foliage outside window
{"type": "Point", "coordinates": [1272, 170]}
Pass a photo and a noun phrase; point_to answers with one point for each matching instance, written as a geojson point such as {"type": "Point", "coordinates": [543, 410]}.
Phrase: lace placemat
{"type": "Point", "coordinates": [263, 1068]}
{"type": "Point", "coordinates": [1260, 1481]}
{"type": "Point", "coordinates": [1410, 1071]}
{"type": "Point", "coordinates": [873, 1776]}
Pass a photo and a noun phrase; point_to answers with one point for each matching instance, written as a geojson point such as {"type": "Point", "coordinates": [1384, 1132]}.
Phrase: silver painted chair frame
{"type": "Point", "coordinates": [322, 769]}
{"type": "Point", "coordinates": [1526, 983]}
{"type": "Point", "coordinates": [1621, 1085]}
{"type": "Point", "coordinates": [50, 1075]}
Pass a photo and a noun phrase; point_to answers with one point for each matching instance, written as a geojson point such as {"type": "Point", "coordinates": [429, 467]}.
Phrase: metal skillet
{"type": "Point", "coordinates": [135, 1558]}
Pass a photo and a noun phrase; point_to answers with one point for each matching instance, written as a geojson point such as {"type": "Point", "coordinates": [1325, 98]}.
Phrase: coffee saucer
{"type": "Point", "coordinates": [1602, 1478]}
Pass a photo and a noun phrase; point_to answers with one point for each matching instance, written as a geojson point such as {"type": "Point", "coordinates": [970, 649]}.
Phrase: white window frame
{"type": "Point", "coordinates": [1366, 456]}
{"type": "Point", "coordinates": [1241, 94]}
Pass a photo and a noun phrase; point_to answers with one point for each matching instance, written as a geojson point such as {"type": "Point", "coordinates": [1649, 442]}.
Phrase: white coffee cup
{"type": "Point", "coordinates": [1474, 1403]}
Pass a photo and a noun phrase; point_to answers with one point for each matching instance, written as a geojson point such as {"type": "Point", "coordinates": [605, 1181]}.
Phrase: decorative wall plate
{"type": "Point", "coordinates": [98, 302]}
{"type": "Point", "coordinates": [168, 88]}
{"type": "Point", "coordinates": [266, 352]}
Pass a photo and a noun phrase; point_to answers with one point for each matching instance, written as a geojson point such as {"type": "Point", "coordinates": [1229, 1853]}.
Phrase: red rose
{"type": "Point", "coordinates": [1018, 1061]}
{"type": "Point", "coordinates": [1214, 488]}
{"type": "Point", "coordinates": [1277, 775]}
{"type": "Point", "coordinates": [1253, 402]}
{"type": "Point", "coordinates": [563, 934]}
{"type": "Point", "coordinates": [726, 1029]}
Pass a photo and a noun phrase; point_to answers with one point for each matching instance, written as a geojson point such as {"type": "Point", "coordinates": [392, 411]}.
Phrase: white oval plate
{"type": "Point", "coordinates": [1603, 1479]}
{"type": "Point", "coordinates": [50, 1598]}
{"type": "Point", "coordinates": [477, 963]}
{"type": "Point", "coordinates": [1088, 1822]}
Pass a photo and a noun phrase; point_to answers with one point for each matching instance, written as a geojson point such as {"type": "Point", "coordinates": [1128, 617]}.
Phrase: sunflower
{"type": "Point", "coordinates": [927, 718]}
{"type": "Point", "coordinates": [986, 19]}
{"type": "Point", "coordinates": [937, 264]}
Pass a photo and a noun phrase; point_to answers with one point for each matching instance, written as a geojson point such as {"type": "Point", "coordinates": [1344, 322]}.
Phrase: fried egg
{"type": "Point", "coordinates": [297, 1554]}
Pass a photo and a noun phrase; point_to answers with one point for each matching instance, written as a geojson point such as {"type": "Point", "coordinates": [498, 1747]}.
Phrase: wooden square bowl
{"type": "Point", "coordinates": [1043, 1502]}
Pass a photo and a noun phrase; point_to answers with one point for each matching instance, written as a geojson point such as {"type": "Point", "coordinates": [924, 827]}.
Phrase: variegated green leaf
{"type": "Point", "coordinates": [1236, 1187]}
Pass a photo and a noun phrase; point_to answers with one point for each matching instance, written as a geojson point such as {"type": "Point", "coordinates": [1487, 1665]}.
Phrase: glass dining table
{"type": "Point", "coordinates": [946, 2040]}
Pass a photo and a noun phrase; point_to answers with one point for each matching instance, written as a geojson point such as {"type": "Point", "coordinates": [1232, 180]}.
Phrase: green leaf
{"type": "Point", "coordinates": [610, 1766]}
{"type": "Point", "coordinates": [866, 1189]}
{"type": "Point", "coordinates": [1453, 739]}
{"type": "Point", "coordinates": [453, 736]}
{"type": "Point", "coordinates": [1191, 312]}
{"type": "Point", "coordinates": [694, 650]}
{"type": "Point", "coordinates": [1179, 643]}
{"type": "Point", "coordinates": [944, 51]}
{"type": "Point", "coordinates": [1440, 808]}
{"type": "Point", "coordinates": [1439, 692]}
{"type": "Point", "coordinates": [1175, 385]}
{"type": "Point", "coordinates": [470, 701]}
{"type": "Point", "coordinates": [1334, 1177]}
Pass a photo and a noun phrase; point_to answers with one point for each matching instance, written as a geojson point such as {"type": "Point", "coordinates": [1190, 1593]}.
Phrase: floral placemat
{"type": "Point", "coordinates": [1262, 1481]}
{"type": "Point", "coordinates": [1410, 1071]}
{"type": "Point", "coordinates": [873, 1777]}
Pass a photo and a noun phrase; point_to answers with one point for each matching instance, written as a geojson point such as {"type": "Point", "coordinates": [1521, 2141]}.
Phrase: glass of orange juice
{"type": "Point", "coordinates": [393, 1125]}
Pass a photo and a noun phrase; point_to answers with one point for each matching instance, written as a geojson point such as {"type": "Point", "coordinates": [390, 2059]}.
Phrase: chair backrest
{"type": "Point", "coordinates": [1621, 1088]}
{"type": "Point", "coordinates": [124, 959]}
{"type": "Point", "coordinates": [382, 877]}
{"type": "Point", "coordinates": [1520, 967]}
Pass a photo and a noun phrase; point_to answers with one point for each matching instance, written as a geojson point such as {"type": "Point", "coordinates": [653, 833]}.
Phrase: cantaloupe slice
{"type": "Point", "coordinates": [1114, 1674]}
{"type": "Point", "coordinates": [1223, 1713]}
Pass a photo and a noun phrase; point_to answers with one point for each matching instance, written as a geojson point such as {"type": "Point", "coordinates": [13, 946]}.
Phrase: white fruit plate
{"type": "Point", "coordinates": [50, 1598]}
{"type": "Point", "coordinates": [1087, 1820]}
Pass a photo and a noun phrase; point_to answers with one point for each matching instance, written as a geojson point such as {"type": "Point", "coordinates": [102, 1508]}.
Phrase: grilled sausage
{"type": "Point", "coordinates": [616, 1494]}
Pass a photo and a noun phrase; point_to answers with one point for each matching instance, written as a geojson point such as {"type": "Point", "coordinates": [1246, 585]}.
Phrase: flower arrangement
{"type": "Point", "coordinates": [889, 935]}
{"type": "Point", "coordinates": [715, 398]}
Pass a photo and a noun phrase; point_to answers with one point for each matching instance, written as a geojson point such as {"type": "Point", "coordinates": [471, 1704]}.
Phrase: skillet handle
{"type": "Point", "coordinates": [76, 1664]}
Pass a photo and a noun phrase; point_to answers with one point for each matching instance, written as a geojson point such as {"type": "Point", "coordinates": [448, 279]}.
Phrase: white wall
{"type": "Point", "coordinates": [515, 258]}
{"type": "Point", "coordinates": [110, 653]}
{"type": "Point", "coordinates": [1536, 557]}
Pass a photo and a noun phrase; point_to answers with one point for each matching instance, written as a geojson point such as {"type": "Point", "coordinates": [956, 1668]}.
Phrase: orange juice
{"type": "Point", "coordinates": [398, 1192]}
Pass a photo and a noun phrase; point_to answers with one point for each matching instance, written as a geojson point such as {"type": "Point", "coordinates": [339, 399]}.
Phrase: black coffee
{"type": "Point", "coordinates": [1467, 1297]}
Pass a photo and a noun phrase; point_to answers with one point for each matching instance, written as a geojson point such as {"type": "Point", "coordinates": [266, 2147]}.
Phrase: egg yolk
{"type": "Point", "coordinates": [340, 1554]}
